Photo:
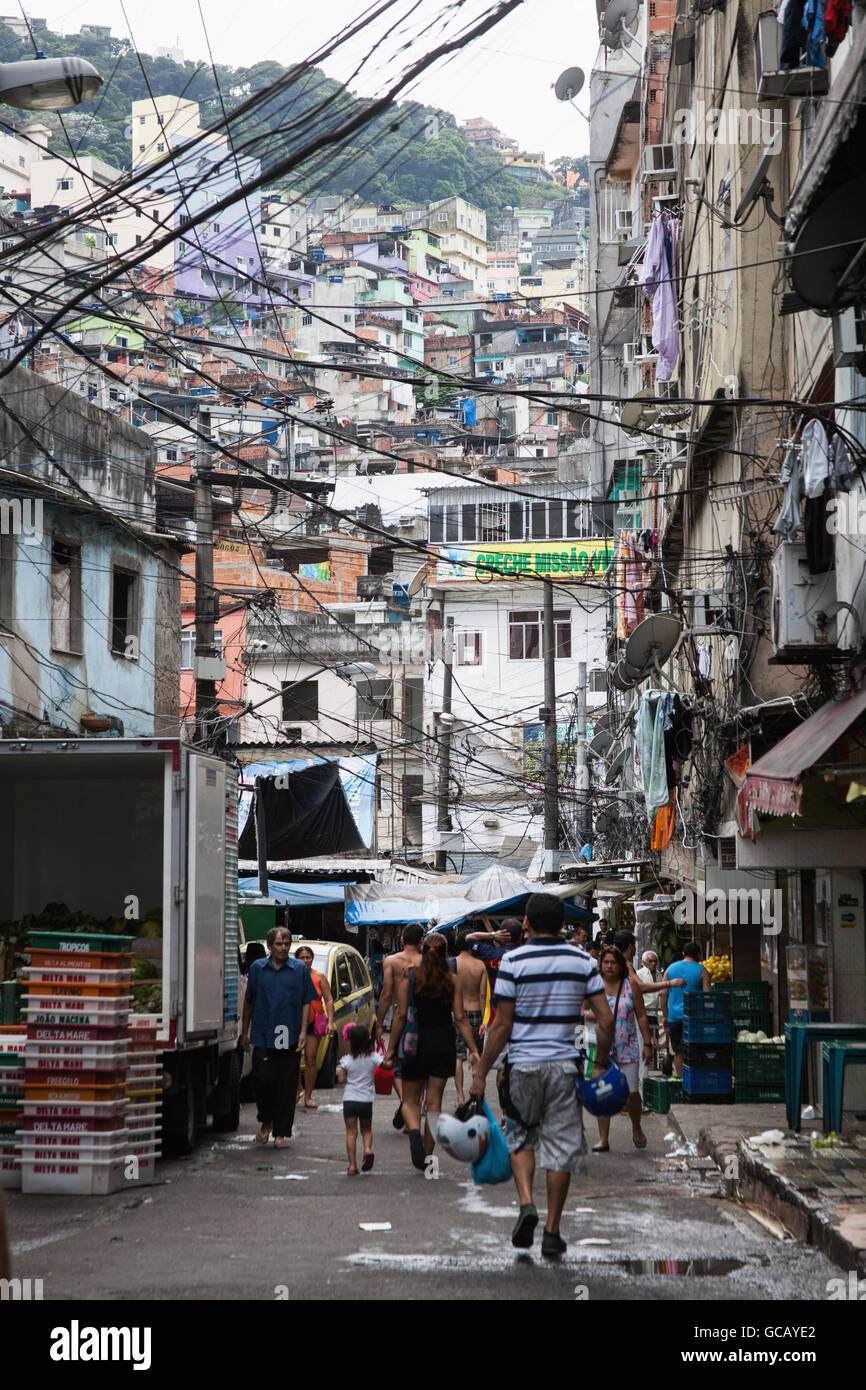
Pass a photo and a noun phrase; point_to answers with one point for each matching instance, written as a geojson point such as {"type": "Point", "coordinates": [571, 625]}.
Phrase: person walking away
{"type": "Point", "coordinates": [540, 991]}
{"type": "Point", "coordinates": [356, 1071]}
{"type": "Point", "coordinates": [321, 1024]}
{"type": "Point", "coordinates": [437, 995]}
{"type": "Point", "coordinates": [395, 969]}
{"type": "Point", "coordinates": [629, 1016]}
{"type": "Point", "coordinates": [691, 978]}
{"type": "Point", "coordinates": [276, 1014]}
{"type": "Point", "coordinates": [473, 978]}
{"type": "Point", "coordinates": [648, 975]}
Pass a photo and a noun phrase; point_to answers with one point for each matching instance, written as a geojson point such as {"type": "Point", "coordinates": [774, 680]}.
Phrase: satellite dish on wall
{"type": "Point", "coordinates": [826, 244]}
{"type": "Point", "coordinates": [620, 679]}
{"type": "Point", "coordinates": [616, 767]}
{"type": "Point", "coordinates": [568, 84]}
{"type": "Point", "coordinates": [618, 15]}
{"type": "Point", "coordinates": [599, 745]}
{"type": "Point", "coordinates": [417, 581]}
{"type": "Point", "coordinates": [755, 186]}
{"type": "Point", "coordinates": [639, 412]}
{"type": "Point", "coordinates": [653, 639]}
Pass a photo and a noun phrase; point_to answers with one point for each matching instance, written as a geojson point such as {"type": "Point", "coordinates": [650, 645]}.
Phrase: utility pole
{"type": "Point", "coordinates": [443, 823]}
{"type": "Point", "coordinates": [582, 769]}
{"type": "Point", "coordinates": [551, 765]}
{"type": "Point", "coordinates": [205, 684]}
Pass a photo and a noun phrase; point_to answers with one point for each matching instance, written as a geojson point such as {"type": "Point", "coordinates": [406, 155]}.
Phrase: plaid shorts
{"type": "Point", "coordinates": [473, 1018]}
{"type": "Point", "coordinates": [545, 1096]}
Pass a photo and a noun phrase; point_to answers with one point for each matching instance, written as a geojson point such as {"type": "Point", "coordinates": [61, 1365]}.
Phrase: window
{"type": "Point", "coordinates": [306, 320]}
{"type": "Point", "coordinates": [121, 340]}
{"type": "Point", "coordinates": [453, 361]}
{"type": "Point", "coordinates": [141, 149]}
{"type": "Point", "coordinates": [8, 547]}
{"type": "Point", "coordinates": [141, 120]}
{"type": "Point", "coordinates": [187, 647]}
{"type": "Point", "coordinates": [216, 226]}
{"type": "Point", "coordinates": [493, 521]}
{"type": "Point", "coordinates": [171, 455]}
{"type": "Point", "coordinates": [276, 231]}
{"type": "Point", "coordinates": [347, 318]}
{"type": "Point", "coordinates": [301, 701]}
{"type": "Point", "coordinates": [437, 522]}
{"type": "Point", "coordinates": [138, 238]}
{"type": "Point", "coordinates": [552, 417]}
{"type": "Point", "coordinates": [22, 162]}
{"type": "Point", "coordinates": [64, 185]}
{"type": "Point", "coordinates": [728, 852]}
{"type": "Point", "coordinates": [413, 707]}
{"type": "Point", "coordinates": [160, 149]}
{"type": "Point", "coordinates": [525, 634]}
{"type": "Point", "coordinates": [344, 979]}
{"type": "Point", "coordinates": [375, 699]}
{"type": "Point", "coordinates": [358, 973]}
{"type": "Point", "coordinates": [65, 597]}
{"type": "Point", "coordinates": [124, 610]}
{"type": "Point", "coordinates": [468, 648]}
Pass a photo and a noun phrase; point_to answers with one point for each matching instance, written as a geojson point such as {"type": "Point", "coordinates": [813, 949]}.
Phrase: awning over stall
{"type": "Point", "coordinates": [448, 904]}
{"type": "Point", "coordinates": [773, 784]}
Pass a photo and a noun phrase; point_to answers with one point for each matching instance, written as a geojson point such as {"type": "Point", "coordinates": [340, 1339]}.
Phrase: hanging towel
{"type": "Point", "coordinates": [813, 23]}
{"type": "Point", "coordinates": [788, 520]}
{"type": "Point", "coordinates": [658, 280]}
{"type": "Point", "coordinates": [650, 743]}
{"type": "Point", "coordinates": [840, 465]}
{"type": "Point", "coordinates": [663, 827]}
{"type": "Point", "coordinates": [837, 19]}
{"type": "Point", "coordinates": [816, 458]}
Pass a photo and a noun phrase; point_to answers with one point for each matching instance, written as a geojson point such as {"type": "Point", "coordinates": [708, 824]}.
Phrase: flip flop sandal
{"type": "Point", "coordinates": [263, 1134]}
{"type": "Point", "coordinates": [601, 1149]}
{"type": "Point", "coordinates": [311, 1105]}
{"type": "Point", "coordinates": [367, 1163]}
{"type": "Point", "coordinates": [281, 1142]}
{"type": "Point", "coordinates": [351, 1172]}
{"type": "Point", "coordinates": [639, 1143]}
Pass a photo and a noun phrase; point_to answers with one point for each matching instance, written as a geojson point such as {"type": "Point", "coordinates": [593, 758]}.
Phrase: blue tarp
{"type": "Point", "coordinates": [297, 894]}
{"type": "Point", "coordinates": [446, 905]}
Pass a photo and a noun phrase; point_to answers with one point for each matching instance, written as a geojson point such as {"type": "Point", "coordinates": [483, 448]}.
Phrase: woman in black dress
{"type": "Point", "coordinates": [437, 995]}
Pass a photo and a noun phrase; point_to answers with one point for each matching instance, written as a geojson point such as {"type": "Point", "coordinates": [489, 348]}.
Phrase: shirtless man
{"type": "Point", "coordinates": [473, 977]}
{"type": "Point", "coordinates": [395, 969]}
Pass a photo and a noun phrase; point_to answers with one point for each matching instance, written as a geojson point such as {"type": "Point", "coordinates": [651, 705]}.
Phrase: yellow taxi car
{"type": "Point", "coordinates": [346, 972]}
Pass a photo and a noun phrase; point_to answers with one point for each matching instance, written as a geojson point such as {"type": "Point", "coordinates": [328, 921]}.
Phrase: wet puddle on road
{"type": "Point", "coordinates": [706, 1268]}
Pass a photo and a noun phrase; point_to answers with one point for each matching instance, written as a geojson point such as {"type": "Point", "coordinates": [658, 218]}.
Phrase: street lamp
{"type": "Point", "coordinates": [48, 84]}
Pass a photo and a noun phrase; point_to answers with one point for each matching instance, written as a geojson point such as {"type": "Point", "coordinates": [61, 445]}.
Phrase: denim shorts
{"type": "Point", "coordinates": [545, 1097]}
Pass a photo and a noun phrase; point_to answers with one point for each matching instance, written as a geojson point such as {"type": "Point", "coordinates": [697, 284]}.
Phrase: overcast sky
{"type": "Point", "coordinates": [505, 76]}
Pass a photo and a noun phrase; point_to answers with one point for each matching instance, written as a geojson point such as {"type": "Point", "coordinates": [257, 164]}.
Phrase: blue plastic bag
{"type": "Point", "coordinates": [495, 1165]}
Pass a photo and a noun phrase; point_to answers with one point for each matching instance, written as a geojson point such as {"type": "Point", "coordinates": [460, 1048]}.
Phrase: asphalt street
{"type": "Point", "coordinates": [236, 1220]}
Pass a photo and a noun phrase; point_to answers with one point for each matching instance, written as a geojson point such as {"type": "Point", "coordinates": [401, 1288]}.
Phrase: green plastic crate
{"type": "Point", "coordinates": [759, 1063]}
{"type": "Point", "coordinates": [10, 1002]}
{"type": "Point", "coordinates": [758, 1093]}
{"type": "Point", "coordinates": [746, 996]}
{"type": "Point", "coordinates": [754, 1020]}
{"type": "Point", "coordinates": [73, 941]}
{"type": "Point", "coordinates": [661, 1092]}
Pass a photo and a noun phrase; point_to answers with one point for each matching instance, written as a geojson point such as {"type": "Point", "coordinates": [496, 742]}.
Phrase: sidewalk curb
{"type": "Point", "coordinates": [837, 1228]}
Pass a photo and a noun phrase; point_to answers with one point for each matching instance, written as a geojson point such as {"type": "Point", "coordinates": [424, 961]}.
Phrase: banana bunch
{"type": "Point", "coordinates": [719, 968]}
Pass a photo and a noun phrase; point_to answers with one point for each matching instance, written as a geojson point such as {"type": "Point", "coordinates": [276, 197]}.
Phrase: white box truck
{"type": "Point", "coordinates": [142, 831]}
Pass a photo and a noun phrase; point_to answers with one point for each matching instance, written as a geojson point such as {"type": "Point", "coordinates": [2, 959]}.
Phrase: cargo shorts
{"type": "Point", "coordinates": [545, 1097]}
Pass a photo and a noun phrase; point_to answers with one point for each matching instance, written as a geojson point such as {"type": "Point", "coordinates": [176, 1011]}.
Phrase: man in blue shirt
{"type": "Point", "coordinates": [673, 1010]}
{"type": "Point", "coordinates": [276, 1010]}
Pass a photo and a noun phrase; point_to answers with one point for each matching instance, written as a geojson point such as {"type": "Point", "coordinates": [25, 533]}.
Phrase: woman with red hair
{"type": "Point", "coordinates": [437, 994]}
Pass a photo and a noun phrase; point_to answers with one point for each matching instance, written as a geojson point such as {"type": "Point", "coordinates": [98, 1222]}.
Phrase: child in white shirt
{"type": "Point", "coordinates": [357, 1070]}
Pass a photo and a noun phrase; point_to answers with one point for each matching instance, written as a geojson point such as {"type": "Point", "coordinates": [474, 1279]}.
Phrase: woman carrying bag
{"type": "Point", "coordinates": [426, 999]}
{"type": "Point", "coordinates": [321, 1023]}
{"type": "Point", "coordinates": [629, 1015]}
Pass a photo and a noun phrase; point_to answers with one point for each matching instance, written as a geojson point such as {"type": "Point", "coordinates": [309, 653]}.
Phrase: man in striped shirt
{"type": "Point", "coordinates": [540, 989]}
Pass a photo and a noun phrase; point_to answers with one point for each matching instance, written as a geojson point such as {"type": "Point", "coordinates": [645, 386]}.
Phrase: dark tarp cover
{"type": "Point", "coordinates": [309, 816]}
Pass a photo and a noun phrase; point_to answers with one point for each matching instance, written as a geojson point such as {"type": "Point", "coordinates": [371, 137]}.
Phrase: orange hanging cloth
{"type": "Point", "coordinates": [663, 826]}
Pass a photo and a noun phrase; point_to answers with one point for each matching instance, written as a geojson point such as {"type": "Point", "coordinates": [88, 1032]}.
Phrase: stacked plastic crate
{"type": "Point", "coordinates": [707, 1049]}
{"type": "Point", "coordinates": [750, 1004]}
{"type": "Point", "coordinates": [12, 1044]}
{"type": "Point", "coordinates": [74, 1134]}
{"type": "Point", "coordinates": [144, 1092]}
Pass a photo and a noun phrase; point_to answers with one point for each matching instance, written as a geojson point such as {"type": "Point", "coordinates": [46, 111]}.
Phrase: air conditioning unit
{"type": "Point", "coordinates": [598, 681]}
{"type": "Point", "coordinates": [679, 449]}
{"type": "Point", "coordinates": [667, 390]}
{"type": "Point", "coordinates": [804, 607]}
{"type": "Point", "coordinates": [623, 220]}
{"type": "Point", "coordinates": [708, 612]}
{"type": "Point", "coordinates": [370, 586]}
{"type": "Point", "coordinates": [291, 731]}
{"type": "Point", "coordinates": [771, 80]}
{"type": "Point", "coordinates": [645, 350]}
{"type": "Point", "coordinates": [630, 354]}
{"type": "Point", "coordinates": [849, 338]}
{"type": "Point", "coordinates": [659, 162]}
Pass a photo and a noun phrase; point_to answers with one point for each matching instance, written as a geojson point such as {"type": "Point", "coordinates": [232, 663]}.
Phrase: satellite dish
{"type": "Point", "coordinates": [654, 638]}
{"type": "Point", "coordinates": [568, 84]}
{"type": "Point", "coordinates": [638, 412]}
{"type": "Point", "coordinates": [417, 581]}
{"type": "Point", "coordinates": [618, 15]}
{"type": "Point", "coordinates": [619, 679]}
{"type": "Point", "coordinates": [755, 185]}
{"type": "Point", "coordinates": [599, 745]}
{"type": "Point", "coordinates": [827, 243]}
{"type": "Point", "coordinates": [616, 767]}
